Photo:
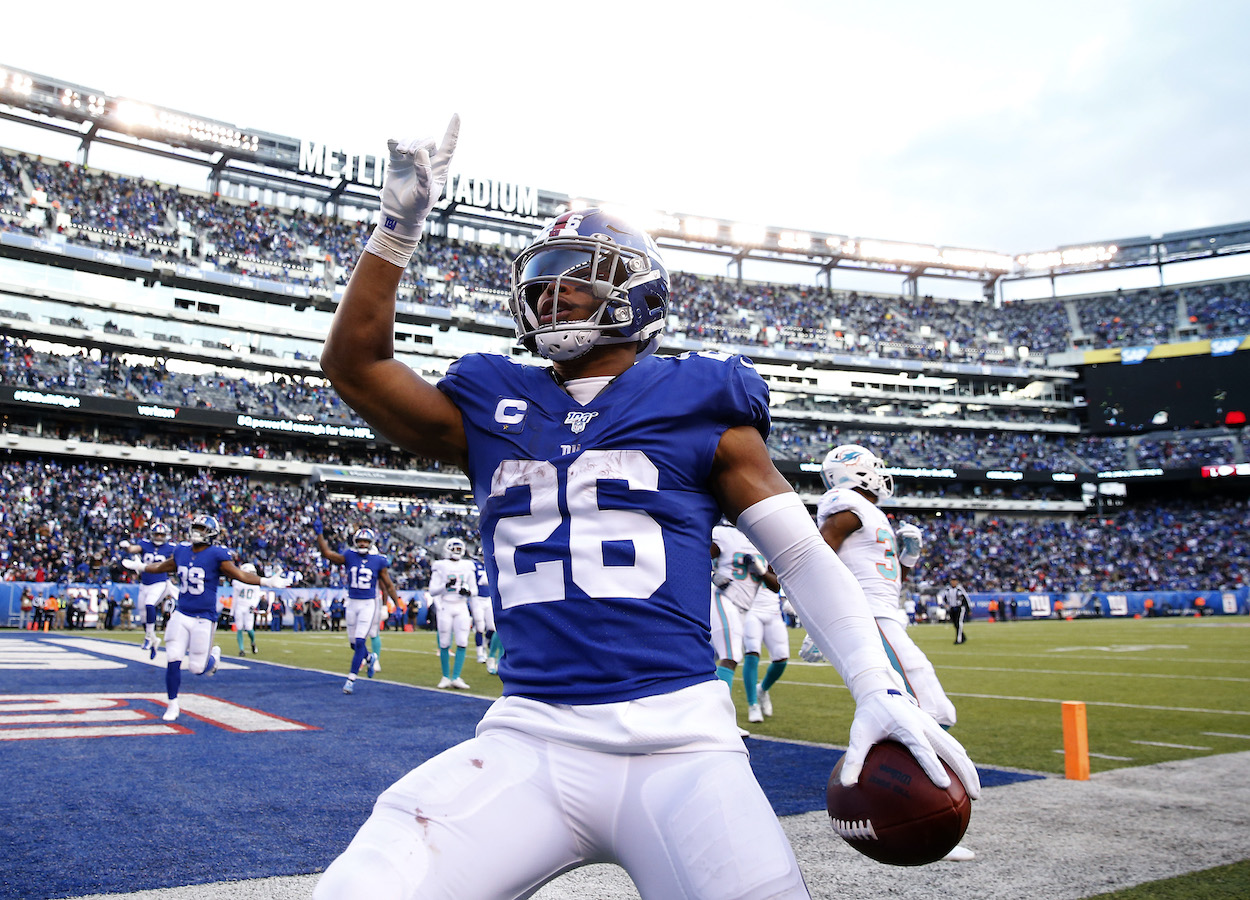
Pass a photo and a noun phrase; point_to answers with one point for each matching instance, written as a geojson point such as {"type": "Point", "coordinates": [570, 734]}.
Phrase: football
{"type": "Point", "coordinates": [894, 813]}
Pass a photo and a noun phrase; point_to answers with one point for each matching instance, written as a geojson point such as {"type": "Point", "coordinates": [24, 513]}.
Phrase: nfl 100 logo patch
{"type": "Point", "coordinates": [578, 420]}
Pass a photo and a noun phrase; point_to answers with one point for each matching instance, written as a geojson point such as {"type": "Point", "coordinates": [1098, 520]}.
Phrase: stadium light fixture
{"type": "Point", "coordinates": [19, 83]}
{"type": "Point", "coordinates": [1071, 256]}
{"type": "Point", "coordinates": [794, 240]}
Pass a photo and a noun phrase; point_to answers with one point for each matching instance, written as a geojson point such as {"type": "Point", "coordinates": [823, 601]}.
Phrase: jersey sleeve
{"type": "Point", "coordinates": [746, 396]}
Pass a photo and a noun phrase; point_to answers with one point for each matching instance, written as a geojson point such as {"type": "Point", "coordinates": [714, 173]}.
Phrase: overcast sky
{"type": "Point", "coordinates": [1003, 126]}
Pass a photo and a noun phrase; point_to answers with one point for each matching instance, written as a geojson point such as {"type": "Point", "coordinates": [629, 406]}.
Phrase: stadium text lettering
{"type": "Point", "coordinates": [319, 159]}
{"type": "Point", "coordinates": [361, 168]}
{"type": "Point", "coordinates": [51, 399]}
{"type": "Point", "coordinates": [317, 428]}
{"type": "Point", "coordinates": [486, 194]}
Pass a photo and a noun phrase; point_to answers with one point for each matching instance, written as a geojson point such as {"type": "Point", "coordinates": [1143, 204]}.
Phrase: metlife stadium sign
{"type": "Point", "coordinates": [369, 170]}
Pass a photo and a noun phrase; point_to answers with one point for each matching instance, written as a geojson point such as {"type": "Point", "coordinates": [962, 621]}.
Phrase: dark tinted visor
{"type": "Point", "coordinates": [573, 262]}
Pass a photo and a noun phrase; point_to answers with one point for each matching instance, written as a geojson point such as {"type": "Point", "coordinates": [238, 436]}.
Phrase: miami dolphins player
{"type": "Point", "coordinates": [738, 573]}
{"type": "Point", "coordinates": [598, 475]}
{"type": "Point", "coordinates": [365, 571]}
{"type": "Point", "coordinates": [243, 608]}
{"type": "Point", "coordinates": [153, 587]}
{"type": "Point", "coordinates": [853, 524]}
{"type": "Point", "coordinates": [200, 563]}
{"type": "Point", "coordinates": [453, 582]}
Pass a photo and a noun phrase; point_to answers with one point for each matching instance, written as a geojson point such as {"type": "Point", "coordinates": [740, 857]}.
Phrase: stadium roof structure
{"type": "Point", "coordinates": [258, 159]}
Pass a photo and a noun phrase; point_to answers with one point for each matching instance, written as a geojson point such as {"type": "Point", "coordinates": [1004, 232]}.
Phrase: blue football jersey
{"type": "Point", "coordinates": [200, 574]}
{"type": "Point", "coordinates": [483, 580]}
{"type": "Point", "coordinates": [362, 573]}
{"type": "Point", "coordinates": [596, 520]}
{"type": "Point", "coordinates": [154, 553]}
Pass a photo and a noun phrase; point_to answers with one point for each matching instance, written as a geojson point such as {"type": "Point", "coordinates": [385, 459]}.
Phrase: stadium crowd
{"type": "Point", "coordinates": [62, 521]}
{"type": "Point", "coordinates": [67, 522]}
{"type": "Point", "coordinates": [310, 399]}
{"type": "Point", "coordinates": [173, 223]}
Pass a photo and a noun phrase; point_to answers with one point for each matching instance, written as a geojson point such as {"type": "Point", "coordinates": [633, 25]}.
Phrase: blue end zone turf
{"type": "Point", "coordinates": [94, 810]}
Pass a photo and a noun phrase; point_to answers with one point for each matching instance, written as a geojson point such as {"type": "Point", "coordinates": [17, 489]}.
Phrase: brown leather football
{"type": "Point", "coordinates": [894, 813]}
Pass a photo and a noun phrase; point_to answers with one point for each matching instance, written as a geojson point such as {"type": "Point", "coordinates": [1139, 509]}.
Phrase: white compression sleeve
{"type": "Point", "coordinates": [823, 591]}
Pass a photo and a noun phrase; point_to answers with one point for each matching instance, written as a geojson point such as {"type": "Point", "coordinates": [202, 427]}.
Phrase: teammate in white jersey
{"type": "Point", "coordinates": [855, 527]}
{"type": "Point", "coordinates": [763, 627]}
{"type": "Point", "coordinates": [598, 478]}
{"type": "Point", "coordinates": [739, 571]}
{"type": "Point", "coordinates": [244, 600]}
{"type": "Point", "coordinates": [453, 583]}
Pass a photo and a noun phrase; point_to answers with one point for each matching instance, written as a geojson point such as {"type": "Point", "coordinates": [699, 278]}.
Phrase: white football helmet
{"type": "Point", "coordinates": [854, 466]}
{"type": "Point", "coordinates": [249, 568]}
{"type": "Point", "coordinates": [455, 548]}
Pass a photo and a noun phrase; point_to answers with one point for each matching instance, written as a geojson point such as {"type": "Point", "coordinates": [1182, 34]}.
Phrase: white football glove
{"type": "Point", "coordinates": [134, 565]}
{"type": "Point", "coordinates": [275, 581]}
{"type": "Point", "coordinates": [415, 178]}
{"type": "Point", "coordinates": [910, 544]}
{"type": "Point", "coordinates": [893, 715]}
{"type": "Point", "coordinates": [721, 580]}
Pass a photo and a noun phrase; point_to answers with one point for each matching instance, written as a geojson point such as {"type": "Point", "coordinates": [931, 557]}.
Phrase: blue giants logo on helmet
{"type": "Point", "coordinates": [599, 256]}
{"type": "Point", "coordinates": [364, 538]}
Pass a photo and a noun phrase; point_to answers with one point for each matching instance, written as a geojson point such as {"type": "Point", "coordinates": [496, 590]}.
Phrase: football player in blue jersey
{"type": "Point", "coordinates": [490, 650]}
{"type": "Point", "coordinates": [366, 573]}
{"type": "Point", "coordinates": [598, 478]}
{"type": "Point", "coordinates": [200, 564]}
{"type": "Point", "coordinates": [153, 587]}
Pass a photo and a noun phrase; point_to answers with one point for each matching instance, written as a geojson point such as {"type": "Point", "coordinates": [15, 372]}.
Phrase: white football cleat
{"type": "Point", "coordinates": [766, 702]}
{"type": "Point", "coordinates": [960, 854]}
{"type": "Point", "coordinates": [349, 686]}
{"type": "Point", "coordinates": [754, 713]}
{"type": "Point", "coordinates": [444, 682]}
{"type": "Point", "coordinates": [481, 654]}
{"type": "Point", "coordinates": [171, 710]}
{"type": "Point", "coordinates": [150, 645]}
{"type": "Point", "coordinates": [372, 661]}
{"type": "Point", "coordinates": [460, 684]}
{"type": "Point", "coordinates": [214, 658]}
{"type": "Point", "coordinates": [377, 663]}
{"type": "Point", "coordinates": [492, 666]}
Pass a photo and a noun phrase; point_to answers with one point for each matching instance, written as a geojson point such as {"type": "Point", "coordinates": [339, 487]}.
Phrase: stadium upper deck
{"type": "Point", "coordinates": [99, 263]}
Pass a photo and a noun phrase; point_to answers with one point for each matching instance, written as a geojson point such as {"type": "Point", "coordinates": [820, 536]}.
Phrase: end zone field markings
{"type": "Point", "coordinates": [90, 715]}
{"type": "Point", "coordinates": [1171, 746]}
{"type": "Point", "coordinates": [126, 651]}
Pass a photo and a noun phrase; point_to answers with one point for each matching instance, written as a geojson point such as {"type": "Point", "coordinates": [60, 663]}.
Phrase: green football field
{"type": "Point", "coordinates": [1154, 689]}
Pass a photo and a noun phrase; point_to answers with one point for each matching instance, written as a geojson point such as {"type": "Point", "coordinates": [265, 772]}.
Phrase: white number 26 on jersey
{"type": "Point", "coordinates": [590, 528]}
